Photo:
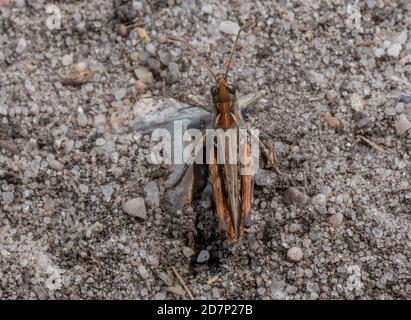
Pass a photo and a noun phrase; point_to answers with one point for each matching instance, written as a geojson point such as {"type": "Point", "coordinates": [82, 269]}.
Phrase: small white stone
{"type": "Point", "coordinates": [143, 272]}
{"type": "Point", "coordinates": [402, 124]}
{"type": "Point", "coordinates": [261, 291]}
{"type": "Point", "coordinates": [55, 165]}
{"type": "Point", "coordinates": [3, 109]}
{"type": "Point", "coordinates": [160, 296]}
{"type": "Point", "coordinates": [394, 50]}
{"type": "Point", "coordinates": [144, 75]}
{"type": "Point", "coordinates": [216, 293]}
{"type": "Point", "coordinates": [357, 103]}
{"type": "Point", "coordinates": [320, 200]}
{"type": "Point", "coordinates": [336, 219]}
{"type": "Point", "coordinates": [152, 194]}
{"type": "Point", "coordinates": [20, 3]}
{"type": "Point", "coordinates": [8, 197]}
{"type": "Point", "coordinates": [188, 252]}
{"type": "Point", "coordinates": [137, 5]}
{"type": "Point", "coordinates": [402, 37]}
{"type": "Point", "coordinates": [100, 142]}
{"type": "Point", "coordinates": [207, 8]}
{"type": "Point", "coordinates": [295, 254]}
{"type": "Point", "coordinates": [100, 120]}
{"type": "Point", "coordinates": [21, 46]}
{"type": "Point", "coordinates": [81, 119]}
{"type": "Point", "coordinates": [203, 256]}
{"type": "Point", "coordinates": [379, 52]}
{"type": "Point", "coordinates": [229, 27]}
{"type": "Point", "coordinates": [120, 93]}
{"type": "Point", "coordinates": [83, 188]}
{"type": "Point", "coordinates": [135, 207]}
{"type": "Point", "coordinates": [67, 60]}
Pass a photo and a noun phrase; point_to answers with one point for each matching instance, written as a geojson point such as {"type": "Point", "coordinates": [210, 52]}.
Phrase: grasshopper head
{"type": "Point", "coordinates": [223, 92]}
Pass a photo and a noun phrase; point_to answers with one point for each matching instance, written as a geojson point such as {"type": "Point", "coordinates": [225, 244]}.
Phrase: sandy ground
{"type": "Point", "coordinates": [83, 214]}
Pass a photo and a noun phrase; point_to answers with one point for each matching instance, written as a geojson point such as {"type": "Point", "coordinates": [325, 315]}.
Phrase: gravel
{"type": "Point", "coordinates": [203, 256]}
{"type": "Point", "coordinates": [295, 254]}
{"type": "Point", "coordinates": [77, 107]}
{"type": "Point", "coordinates": [135, 208]}
{"type": "Point", "coordinates": [336, 219]}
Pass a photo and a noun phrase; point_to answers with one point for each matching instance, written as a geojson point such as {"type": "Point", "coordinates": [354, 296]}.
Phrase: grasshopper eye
{"type": "Point", "coordinates": [231, 89]}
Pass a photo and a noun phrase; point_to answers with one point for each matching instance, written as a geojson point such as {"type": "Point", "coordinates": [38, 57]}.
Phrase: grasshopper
{"type": "Point", "coordinates": [233, 192]}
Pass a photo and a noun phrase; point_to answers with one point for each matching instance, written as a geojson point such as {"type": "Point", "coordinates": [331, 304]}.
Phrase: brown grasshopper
{"type": "Point", "coordinates": [233, 193]}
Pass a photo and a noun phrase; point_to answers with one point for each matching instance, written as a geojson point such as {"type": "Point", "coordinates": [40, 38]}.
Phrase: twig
{"type": "Point", "coordinates": [373, 144]}
{"type": "Point", "coordinates": [186, 288]}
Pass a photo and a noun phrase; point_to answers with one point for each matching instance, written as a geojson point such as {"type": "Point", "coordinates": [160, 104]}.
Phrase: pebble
{"type": "Point", "coordinates": [83, 188]}
{"type": "Point", "coordinates": [379, 52]}
{"type": "Point", "coordinates": [319, 200]}
{"type": "Point", "coordinates": [229, 27]}
{"type": "Point", "coordinates": [119, 94]}
{"type": "Point", "coordinates": [144, 75]}
{"type": "Point", "coordinates": [99, 120]}
{"type": "Point", "coordinates": [405, 99]}
{"type": "Point", "coordinates": [122, 30]}
{"type": "Point", "coordinates": [402, 124]}
{"type": "Point", "coordinates": [207, 8]}
{"type": "Point", "coordinates": [402, 37]}
{"type": "Point", "coordinates": [21, 46]}
{"type": "Point", "coordinates": [67, 60]}
{"type": "Point", "coordinates": [8, 197]}
{"type": "Point", "coordinates": [312, 287]}
{"type": "Point", "coordinates": [336, 219]}
{"type": "Point", "coordinates": [203, 256]}
{"type": "Point", "coordinates": [294, 227]}
{"type": "Point", "coordinates": [216, 293]}
{"type": "Point", "coordinates": [55, 165]}
{"type": "Point", "coordinates": [143, 272]}
{"type": "Point", "coordinates": [188, 252]}
{"type": "Point", "coordinates": [3, 109]}
{"type": "Point", "coordinates": [331, 95]}
{"type": "Point", "coordinates": [315, 236]}
{"type": "Point", "coordinates": [135, 207]}
{"type": "Point", "coordinates": [332, 122]}
{"type": "Point", "coordinates": [295, 196]}
{"type": "Point", "coordinates": [295, 254]}
{"type": "Point", "coordinates": [140, 86]}
{"type": "Point", "coordinates": [107, 190]}
{"type": "Point", "coordinates": [100, 142]}
{"type": "Point", "coordinates": [173, 73]}
{"type": "Point", "coordinates": [316, 78]}
{"type": "Point", "coordinates": [164, 57]}
{"type": "Point", "coordinates": [152, 194]}
{"type": "Point", "coordinates": [261, 291]}
{"type": "Point", "coordinates": [137, 5]}
{"type": "Point", "coordinates": [377, 232]}
{"type": "Point", "coordinates": [264, 178]}
{"type": "Point", "coordinates": [308, 273]}
{"type": "Point", "coordinates": [395, 50]}
{"type": "Point", "coordinates": [82, 119]}
{"type": "Point", "coordinates": [160, 296]}
{"type": "Point", "coordinates": [357, 102]}
{"type": "Point", "coordinates": [277, 290]}
{"type": "Point", "coordinates": [5, 3]}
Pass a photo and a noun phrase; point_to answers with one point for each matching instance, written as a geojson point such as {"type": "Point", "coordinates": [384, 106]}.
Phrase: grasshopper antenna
{"type": "Point", "coordinates": [196, 55]}
{"type": "Point", "coordinates": [233, 49]}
